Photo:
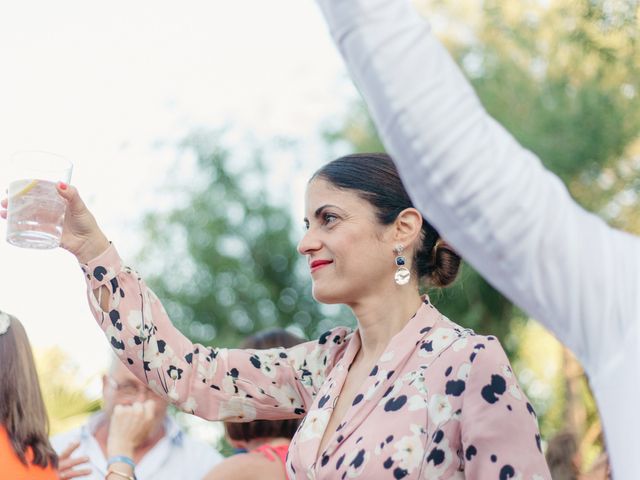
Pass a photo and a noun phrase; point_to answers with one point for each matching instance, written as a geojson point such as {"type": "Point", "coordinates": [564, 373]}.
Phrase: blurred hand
{"type": "Point", "coordinates": [66, 464]}
{"type": "Point", "coordinates": [129, 427]}
{"type": "Point", "coordinates": [80, 232]}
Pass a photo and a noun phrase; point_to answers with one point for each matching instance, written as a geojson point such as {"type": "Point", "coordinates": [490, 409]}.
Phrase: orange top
{"type": "Point", "coordinates": [11, 466]}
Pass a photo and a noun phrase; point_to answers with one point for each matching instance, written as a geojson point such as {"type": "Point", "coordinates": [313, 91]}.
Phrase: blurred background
{"type": "Point", "coordinates": [194, 128]}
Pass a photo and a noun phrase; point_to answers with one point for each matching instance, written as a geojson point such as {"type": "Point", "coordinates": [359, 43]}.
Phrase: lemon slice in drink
{"type": "Point", "coordinates": [26, 189]}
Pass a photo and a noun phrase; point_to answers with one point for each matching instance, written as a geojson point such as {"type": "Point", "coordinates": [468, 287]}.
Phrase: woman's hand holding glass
{"type": "Point", "coordinates": [80, 235]}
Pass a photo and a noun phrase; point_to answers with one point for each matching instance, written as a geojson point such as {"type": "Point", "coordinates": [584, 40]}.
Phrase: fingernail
{"type": "Point", "coordinates": [62, 185]}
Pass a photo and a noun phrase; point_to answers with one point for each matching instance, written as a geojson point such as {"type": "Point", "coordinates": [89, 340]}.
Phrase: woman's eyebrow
{"type": "Point", "coordinates": [319, 210]}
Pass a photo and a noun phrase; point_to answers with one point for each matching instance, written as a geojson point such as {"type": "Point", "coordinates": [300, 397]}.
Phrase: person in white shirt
{"type": "Point", "coordinates": [496, 204]}
{"type": "Point", "coordinates": [165, 452]}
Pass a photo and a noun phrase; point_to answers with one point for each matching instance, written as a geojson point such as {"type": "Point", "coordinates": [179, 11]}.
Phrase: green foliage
{"type": "Point", "coordinates": [67, 404]}
{"type": "Point", "coordinates": [222, 257]}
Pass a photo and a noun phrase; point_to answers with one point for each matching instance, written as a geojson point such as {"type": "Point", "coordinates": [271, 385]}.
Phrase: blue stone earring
{"type": "Point", "coordinates": [403, 274]}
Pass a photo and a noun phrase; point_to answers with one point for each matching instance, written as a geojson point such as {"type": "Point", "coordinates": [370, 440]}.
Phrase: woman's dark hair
{"type": "Point", "coordinates": [22, 410]}
{"type": "Point", "coordinates": [374, 177]}
{"type": "Point", "coordinates": [272, 338]}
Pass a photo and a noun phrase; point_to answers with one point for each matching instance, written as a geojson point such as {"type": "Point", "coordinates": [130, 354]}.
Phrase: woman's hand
{"type": "Point", "coordinates": [80, 232]}
{"type": "Point", "coordinates": [129, 427]}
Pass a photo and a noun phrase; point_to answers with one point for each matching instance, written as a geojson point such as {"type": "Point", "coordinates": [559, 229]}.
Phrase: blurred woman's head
{"type": "Point", "coordinates": [22, 410]}
{"type": "Point", "coordinates": [242, 433]}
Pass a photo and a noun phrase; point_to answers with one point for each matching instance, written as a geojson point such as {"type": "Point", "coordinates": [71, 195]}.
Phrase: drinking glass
{"type": "Point", "coordinates": [35, 213]}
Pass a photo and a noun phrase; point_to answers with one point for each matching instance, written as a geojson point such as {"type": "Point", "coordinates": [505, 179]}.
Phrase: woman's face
{"type": "Point", "coordinates": [350, 254]}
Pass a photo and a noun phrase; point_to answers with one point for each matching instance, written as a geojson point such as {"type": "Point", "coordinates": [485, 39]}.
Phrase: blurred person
{"type": "Point", "coordinates": [563, 457]}
{"type": "Point", "coordinates": [497, 205]}
{"type": "Point", "coordinates": [159, 450]}
{"type": "Point", "coordinates": [264, 442]}
{"type": "Point", "coordinates": [25, 451]}
{"type": "Point", "coordinates": [385, 397]}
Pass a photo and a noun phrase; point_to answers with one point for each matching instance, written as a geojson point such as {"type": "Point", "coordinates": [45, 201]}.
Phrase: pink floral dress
{"type": "Point", "coordinates": [440, 403]}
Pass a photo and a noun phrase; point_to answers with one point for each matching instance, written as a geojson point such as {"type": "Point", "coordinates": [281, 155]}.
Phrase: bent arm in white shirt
{"type": "Point", "coordinates": [513, 220]}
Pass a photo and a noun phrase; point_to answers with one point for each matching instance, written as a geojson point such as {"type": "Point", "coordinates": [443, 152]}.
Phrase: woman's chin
{"type": "Point", "coordinates": [329, 298]}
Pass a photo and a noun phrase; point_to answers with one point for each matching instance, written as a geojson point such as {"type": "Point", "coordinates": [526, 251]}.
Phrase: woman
{"type": "Point", "coordinates": [25, 451]}
{"type": "Point", "coordinates": [408, 394]}
{"type": "Point", "coordinates": [266, 442]}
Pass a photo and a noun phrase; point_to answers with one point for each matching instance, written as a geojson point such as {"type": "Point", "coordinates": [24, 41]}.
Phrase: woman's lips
{"type": "Point", "coordinates": [318, 264]}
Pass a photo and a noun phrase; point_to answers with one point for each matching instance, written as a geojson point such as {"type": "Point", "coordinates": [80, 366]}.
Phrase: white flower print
{"type": "Point", "coordinates": [228, 385]}
{"type": "Point", "coordinates": [372, 390]}
{"type": "Point", "coordinates": [417, 402]}
{"type": "Point", "coordinates": [416, 379]}
{"type": "Point", "coordinates": [114, 335]}
{"type": "Point", "coordinates": [460, 344]}
{"type": "Point", "coordinates": [152, 354]}
{"type": "Point", "coordinates": [439, 409]}
{"type": "Point", "coordinates": [441, 338]}
{"type": "Point", "coordinates": [409, 452]}
{"type": "Point", "coordinates": [463, 371]}
{"type": "Point", "coordinates": [314, 424]}
{"type": "Point", "coordinates": [515, 392]}
{"type": "Point", "coordinates": [285, 395]}
{"type": "Point", "coordinates": [267, 359]}
{"type": "Point", "coordinates": [237, 409]}
{"type": "Point", "coordinates": [207, 369]}
{"type": "Point", "coordinates": [134, 320]}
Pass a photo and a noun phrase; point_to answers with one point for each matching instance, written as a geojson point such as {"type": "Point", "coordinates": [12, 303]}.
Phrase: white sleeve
{"type": "Point", "coordinates": [489, 197]}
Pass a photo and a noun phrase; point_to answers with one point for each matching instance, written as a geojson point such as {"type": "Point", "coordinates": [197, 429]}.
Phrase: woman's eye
{"type": "Point", "coordinates": [329, 218]}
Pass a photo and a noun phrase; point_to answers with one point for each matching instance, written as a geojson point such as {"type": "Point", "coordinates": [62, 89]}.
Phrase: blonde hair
{"type": "Point", "coordinates": [22, 410]}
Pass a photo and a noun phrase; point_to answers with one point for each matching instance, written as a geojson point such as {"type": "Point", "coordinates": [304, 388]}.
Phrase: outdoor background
{"type": "Point", "coordinates": [193, 129]}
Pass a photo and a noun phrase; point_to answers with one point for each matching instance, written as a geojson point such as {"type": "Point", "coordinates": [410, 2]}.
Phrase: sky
{"type": "Point", "coordinates": [115, 86]}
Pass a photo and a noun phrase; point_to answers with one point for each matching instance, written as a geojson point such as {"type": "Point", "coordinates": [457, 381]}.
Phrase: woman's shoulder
{"type": "Point", "coordinates": [471, 346]}
{"type": "Point", "coordinates": [12, 467]}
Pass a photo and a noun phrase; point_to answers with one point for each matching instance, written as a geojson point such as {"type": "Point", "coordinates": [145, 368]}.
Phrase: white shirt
{"type": "Point", "coordinates": [175, 456]}
{"type": "Point", "coordinates": [499, 207]}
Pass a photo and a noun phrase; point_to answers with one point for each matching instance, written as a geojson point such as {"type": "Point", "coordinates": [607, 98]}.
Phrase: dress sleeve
{"type": "Point", "coordinates": [512, 219]}
{"type": "Point", "coordinates": [499, 427]}
{"type": "Point", "coordinates": [214, 383]}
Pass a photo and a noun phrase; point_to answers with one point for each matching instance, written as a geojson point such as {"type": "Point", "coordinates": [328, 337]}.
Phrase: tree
{"type": "Point", "coordinates": [65, 399]}
{"type": "Point", "coordinates": [222, 260]}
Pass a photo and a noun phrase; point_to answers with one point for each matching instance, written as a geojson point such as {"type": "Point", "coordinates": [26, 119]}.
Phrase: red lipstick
{"type": "Point", "coordinates": [317, 264]}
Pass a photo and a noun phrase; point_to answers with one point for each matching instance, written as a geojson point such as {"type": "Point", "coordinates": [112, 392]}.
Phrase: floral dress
{"type": "Point", "coordinates": [440, 403]}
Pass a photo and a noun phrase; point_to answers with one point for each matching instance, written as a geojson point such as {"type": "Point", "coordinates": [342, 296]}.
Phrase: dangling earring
{"type": "Point", "coordinates": [402, 275]}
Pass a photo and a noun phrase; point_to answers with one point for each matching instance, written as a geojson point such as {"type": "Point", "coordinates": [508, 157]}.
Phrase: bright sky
{"type": "Point", "coordinates": [105, 83]}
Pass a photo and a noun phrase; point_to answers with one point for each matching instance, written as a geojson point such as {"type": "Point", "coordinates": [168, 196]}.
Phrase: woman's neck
{"type": "Point", "coordinates": [382, 317]}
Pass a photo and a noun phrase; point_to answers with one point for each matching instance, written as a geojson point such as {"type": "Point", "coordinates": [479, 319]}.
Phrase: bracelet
{"type": "Point", "coordinates": [121, 459]}
{"type": "Point", "coordinates": [120, 474]}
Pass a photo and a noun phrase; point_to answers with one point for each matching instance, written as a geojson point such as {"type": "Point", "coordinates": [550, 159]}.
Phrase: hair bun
{"type": "Point", "coordinates": [445, 265]}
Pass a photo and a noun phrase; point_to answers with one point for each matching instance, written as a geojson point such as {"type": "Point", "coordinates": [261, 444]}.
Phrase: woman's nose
{"type": "Point", "coordinates": [308, 243]}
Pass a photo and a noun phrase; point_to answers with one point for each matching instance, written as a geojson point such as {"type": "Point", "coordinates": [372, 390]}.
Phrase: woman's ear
{"type": "Point", "coordinates": [408, 226]}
